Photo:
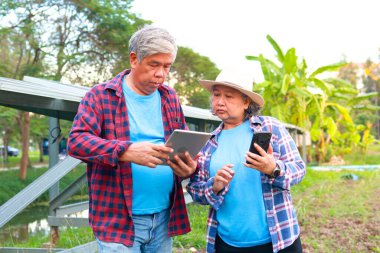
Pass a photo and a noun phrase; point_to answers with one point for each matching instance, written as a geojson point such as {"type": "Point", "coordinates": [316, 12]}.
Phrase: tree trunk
{"type": "Point", "coordinates": [6, 143]}
{"type": "Point", "coordinates": [25, 123]}
{"type": "Point", "coordinates": [317, 153]}
{"type": "Point", "coordinates": [41, 148]}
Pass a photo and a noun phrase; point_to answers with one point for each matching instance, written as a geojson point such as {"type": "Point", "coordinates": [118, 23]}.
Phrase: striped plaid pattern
{"type": "Point", "coordinates": [281, 215]}
{"type": "Point", "coordinates": [99, 135]}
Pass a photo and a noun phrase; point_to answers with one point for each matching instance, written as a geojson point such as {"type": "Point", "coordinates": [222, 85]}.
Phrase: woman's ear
{"type": "Point", "coordinates": [247, 102]}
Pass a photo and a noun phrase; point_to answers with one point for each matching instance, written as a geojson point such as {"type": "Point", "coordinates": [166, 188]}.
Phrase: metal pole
{"type": "Point", "coordinates": [304, 156]}
{"type": "Point", "coordinates": [54, 132]}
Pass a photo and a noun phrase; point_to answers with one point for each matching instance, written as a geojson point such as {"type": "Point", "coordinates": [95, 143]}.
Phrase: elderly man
{"type": "Point", "coordinates": [136, 203]}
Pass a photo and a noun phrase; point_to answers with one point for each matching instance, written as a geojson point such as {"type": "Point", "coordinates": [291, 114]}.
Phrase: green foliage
{"type": "Point", "coordinates": [8, 128]}
{"type": "Point", "coordinates": [323, 201]}
{"type": "Point", "coordinates": [64, 37]}
{"type": "Point", "coordinates": [188, 68]}
{"type": "Point", "coordinates": [357, 157]}
{"type": "Point", "coordinates": [325, 106]}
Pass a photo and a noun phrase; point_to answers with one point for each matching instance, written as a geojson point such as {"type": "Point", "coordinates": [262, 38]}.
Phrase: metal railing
{"type": "Point", "coordinates": [22, 199]}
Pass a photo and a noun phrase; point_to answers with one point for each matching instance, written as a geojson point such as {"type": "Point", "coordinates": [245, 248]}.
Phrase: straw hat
{"type": "Point", "coordinates": [238, 81]}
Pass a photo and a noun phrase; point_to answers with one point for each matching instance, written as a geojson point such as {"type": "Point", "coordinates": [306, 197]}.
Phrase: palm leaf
{"type": "Point", "coordinates": [290, 61]}
{"type": "Point", "coordinates": [285, 84]}
{"type": "Point", "coordinates": [339, 82]}
{"type": "Point", "coordinates": [367, 107]}
{"type": "Point", "coordinates": [280, 54]}
{"type": "Point", "coordinates": [322, 85]}
{"type": "Point", "coordinates": [346, 90]}
{"type": "Point", "coordinates": [252, 58]}
{"type": "Point", "coordinates": [344, 112]}
{"type": "Point", "coordinates": [363, 97]}
{"type": "Point", "coordinates": [332, 67]}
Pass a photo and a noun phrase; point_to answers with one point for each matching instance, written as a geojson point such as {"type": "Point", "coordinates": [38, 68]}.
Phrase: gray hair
{"type": "Point", "coordinates": [152, 40]}
{"type": "Point", "coordinates": [252, 110]}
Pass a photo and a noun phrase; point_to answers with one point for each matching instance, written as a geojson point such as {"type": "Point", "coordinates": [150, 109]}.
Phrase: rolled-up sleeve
{"type": "Point", "coordinates": [293, 168]}
{"type": "Point", "coordinates": [85, 141]}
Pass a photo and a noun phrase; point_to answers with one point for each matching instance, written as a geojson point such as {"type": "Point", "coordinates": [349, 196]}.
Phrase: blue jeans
{"type": "Point", "coordinates": [151, 236]}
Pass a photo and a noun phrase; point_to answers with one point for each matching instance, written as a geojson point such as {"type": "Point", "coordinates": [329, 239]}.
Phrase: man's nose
{"type": "Point", "coordinates": [160, 72]}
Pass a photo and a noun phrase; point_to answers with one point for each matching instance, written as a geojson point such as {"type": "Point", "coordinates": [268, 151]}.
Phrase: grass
{"type": "Point", "coordinates": [14, 161]}
{"type": "Point", "coordinates": [372, 156]}
{"type": "Point", "coordinates": [339, 215]}
{"type": "Point", "coordinates": [328, 207]}
{"type": "Point", "coordinates": [69, 238]}
{"type": "Point", "coordinates": [196, 238]}
{"type": "Point", "coordinates": [335, 214]}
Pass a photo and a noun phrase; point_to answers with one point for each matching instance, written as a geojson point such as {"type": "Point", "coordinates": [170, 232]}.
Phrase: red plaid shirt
{"type": "Point", "coordinates": [99, 135]}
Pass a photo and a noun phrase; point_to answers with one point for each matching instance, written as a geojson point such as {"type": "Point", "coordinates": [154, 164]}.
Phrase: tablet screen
{"type": "Point", "coordinates": [186, 140]}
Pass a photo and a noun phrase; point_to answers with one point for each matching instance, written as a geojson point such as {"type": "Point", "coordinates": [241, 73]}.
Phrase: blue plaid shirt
{"type": "Point", "coordinates": [281, 215]}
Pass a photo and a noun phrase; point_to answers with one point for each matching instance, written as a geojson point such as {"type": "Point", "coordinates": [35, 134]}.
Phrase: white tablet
{"type": "Point", "coordinates": [186, 140]}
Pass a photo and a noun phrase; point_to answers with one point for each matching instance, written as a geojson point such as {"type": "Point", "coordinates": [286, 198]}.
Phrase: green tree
{"type": "Point", "coordinates": [350, 73]}
{"type": "Point", "coordinates": [322, 105]}
{"type": "Point", "coordinates": [38, 131]}
{"type": "Point", "coordinates": [371, 82]}
{"type": "Point", "coordinates": [22, 42]}
{"type": "Point", "coordinates": [8, 127]}
{"type": "Point", "coordinates": [76, 37]}
{"type": "Point", "coordinates": [55, 38]}
{"type": "Point", "coordinates": [365, 115]}
{"type": "Point", "coordinates": [188, 68]}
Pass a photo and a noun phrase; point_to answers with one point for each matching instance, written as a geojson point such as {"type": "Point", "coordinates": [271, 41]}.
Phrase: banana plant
{"type": "Point", "coordinates": [321, 105]}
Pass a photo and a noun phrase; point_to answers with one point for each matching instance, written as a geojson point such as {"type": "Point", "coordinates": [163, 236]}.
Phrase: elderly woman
{"type": "Point", "coordinates": [250, 203]}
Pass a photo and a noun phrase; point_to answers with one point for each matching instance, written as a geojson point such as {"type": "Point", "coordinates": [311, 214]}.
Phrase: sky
{"type": "Point", "coordinates": [323, 32]}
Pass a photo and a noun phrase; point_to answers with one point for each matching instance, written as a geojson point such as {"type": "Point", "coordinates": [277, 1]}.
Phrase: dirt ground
{"type": "Point", "coordinates": [346, 234]}
{"type": "Point", "coordinates": [338, 233]}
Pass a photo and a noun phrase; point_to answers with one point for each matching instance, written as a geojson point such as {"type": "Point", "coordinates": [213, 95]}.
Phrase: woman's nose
{"type": "Point", "coordinates": [220, 101]}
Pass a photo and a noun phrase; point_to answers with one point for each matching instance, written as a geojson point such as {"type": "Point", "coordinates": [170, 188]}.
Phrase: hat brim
{"type": "Point", "coordinates": [258, 99]}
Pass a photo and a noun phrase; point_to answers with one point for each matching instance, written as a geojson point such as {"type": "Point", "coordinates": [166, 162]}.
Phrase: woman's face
{"type": "Point", "coordinates": [229, 105]}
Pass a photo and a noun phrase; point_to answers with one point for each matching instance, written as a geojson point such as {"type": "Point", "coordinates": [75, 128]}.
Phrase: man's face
{"type": "Point", "coordinates": [150, 73]}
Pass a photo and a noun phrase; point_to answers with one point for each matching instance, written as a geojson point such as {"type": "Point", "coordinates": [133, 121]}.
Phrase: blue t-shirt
{"type": "Point", "coordinates": [152, 187]}
{"type": "Point", "coordinates": [241, 218]}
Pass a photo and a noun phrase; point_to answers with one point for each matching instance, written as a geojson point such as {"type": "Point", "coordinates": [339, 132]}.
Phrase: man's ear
{"type": "Point", "coordinates": [133, 59]}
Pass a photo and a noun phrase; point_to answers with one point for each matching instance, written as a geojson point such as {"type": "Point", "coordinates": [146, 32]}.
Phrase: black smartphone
{"type": "Point", "coordinates": [262, 139]}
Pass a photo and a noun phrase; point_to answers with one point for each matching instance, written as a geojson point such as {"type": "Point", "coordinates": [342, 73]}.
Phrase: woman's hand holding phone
{"type": "Point", "coordinates": [259, 158]}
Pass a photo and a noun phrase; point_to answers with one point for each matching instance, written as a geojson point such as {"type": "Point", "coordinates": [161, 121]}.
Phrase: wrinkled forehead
{"type": "Point", "coordinates": [224, 88]}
